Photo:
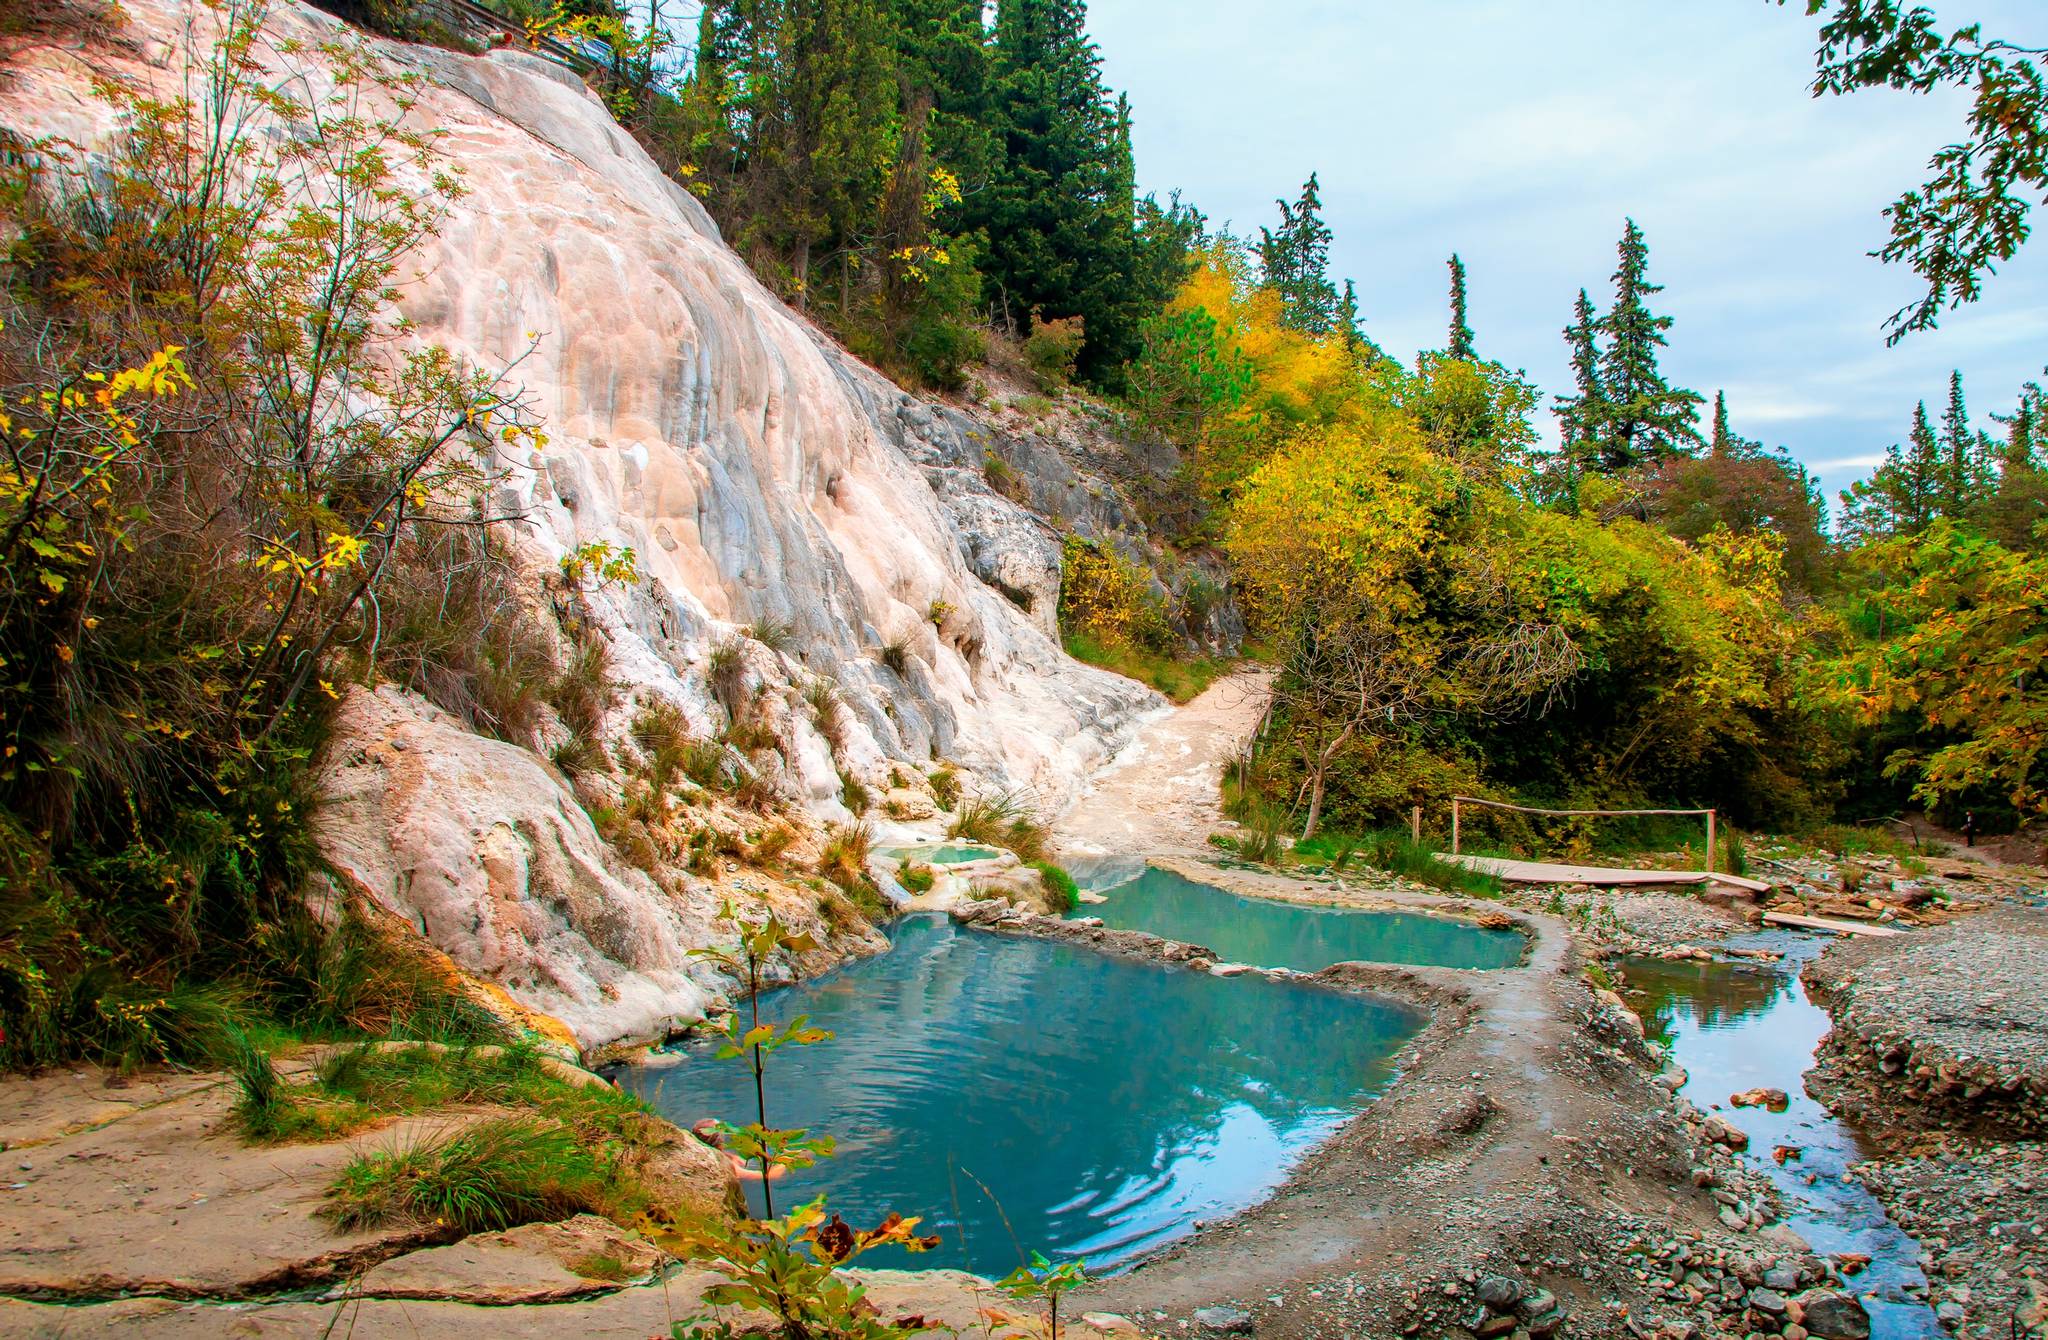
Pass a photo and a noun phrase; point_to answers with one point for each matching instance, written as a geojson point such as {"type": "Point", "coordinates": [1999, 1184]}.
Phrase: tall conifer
{"type": "Point", "coordinates": [1296, 261]}
{"type": "Point", "coordinates": [1461, 328]}
{"type": "Point", "coordinates": [1581, 415]}
{"type": "Point", "coordinates": [1648, 419]}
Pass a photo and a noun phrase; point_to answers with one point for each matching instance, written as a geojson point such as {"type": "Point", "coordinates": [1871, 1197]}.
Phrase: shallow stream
{"type": "Point", "coordinates": [1022, 1094]}
{"type": "Point", "coordinates": [1736, 1026]}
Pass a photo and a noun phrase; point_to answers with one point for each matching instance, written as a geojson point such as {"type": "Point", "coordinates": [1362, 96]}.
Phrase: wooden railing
{"type": "Point", "coordinates": [1458, 801]}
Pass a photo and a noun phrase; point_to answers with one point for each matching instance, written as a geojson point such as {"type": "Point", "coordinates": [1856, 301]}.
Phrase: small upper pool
{"type": "Point", "coordinates": [1022, 1094]}
{"type": "Point", "coordinates": [1275, 934]}
{"type": "Point", "coordinates": [948, 853]}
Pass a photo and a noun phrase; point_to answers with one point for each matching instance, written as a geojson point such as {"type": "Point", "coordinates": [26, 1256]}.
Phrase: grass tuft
{"type": "Point", "coordinates": [495, 1174]}
{"type": "Point", "coordinates": [1395, 852]}
{"type": "Point", "coordinates": [1066, 895]}
{"type": "Point", "coordinates": [1003, 819]}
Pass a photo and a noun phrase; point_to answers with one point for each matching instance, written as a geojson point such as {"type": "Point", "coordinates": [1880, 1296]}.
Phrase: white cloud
{"type": "Point", "coordinates": [1520, 134]}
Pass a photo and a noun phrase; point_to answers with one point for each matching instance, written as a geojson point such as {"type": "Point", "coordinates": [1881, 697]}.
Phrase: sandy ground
{"type": "Point", "coordinates": [1159, 792]}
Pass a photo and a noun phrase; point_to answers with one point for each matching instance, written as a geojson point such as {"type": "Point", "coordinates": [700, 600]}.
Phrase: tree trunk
{"type": "Point", "coordinates": [1315, 805]}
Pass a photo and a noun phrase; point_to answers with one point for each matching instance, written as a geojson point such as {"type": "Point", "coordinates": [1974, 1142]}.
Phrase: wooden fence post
{"type": "Point", "coordinates": [1710, 842]}
{"type": "Point", "coordinates": [1454, 825]}
{"type": "Point", "coordinates": [1415, 825]}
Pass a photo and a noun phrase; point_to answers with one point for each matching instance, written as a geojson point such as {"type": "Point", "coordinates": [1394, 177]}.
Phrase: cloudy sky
{"type": "Point", "coordinates": [1519, 133]}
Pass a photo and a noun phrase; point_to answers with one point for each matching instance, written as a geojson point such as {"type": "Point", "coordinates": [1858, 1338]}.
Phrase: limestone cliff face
{"type": "Point", "coordinates": [761, 475]}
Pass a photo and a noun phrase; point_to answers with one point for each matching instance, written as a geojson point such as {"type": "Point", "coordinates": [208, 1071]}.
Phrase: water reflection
{"type": "Point", "coordinates": [1276, 934]}
{"type": "Point", "coordinates": [1736, 1026]}
{"type": "Point", "coordinates": [1099, 1106]}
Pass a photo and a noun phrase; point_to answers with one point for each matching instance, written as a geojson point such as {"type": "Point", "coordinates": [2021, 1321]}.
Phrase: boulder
{"type": "Point", "coordinates": [1499, 1292]}
{"type": "Point", "coordinates": [1223, 1320]}
{"type": "Point", "coordinates": [1724, 1132]}
{"type": "Point", "coordinates": [1834, 1316]}
{"type": "Point", "coordinates": [531, 1264]}
{"type": "Point", "coordinates": [687, 1177]}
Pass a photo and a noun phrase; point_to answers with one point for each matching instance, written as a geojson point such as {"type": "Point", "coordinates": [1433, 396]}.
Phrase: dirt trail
{"type": "Point", "coordinates": [1159, 793]}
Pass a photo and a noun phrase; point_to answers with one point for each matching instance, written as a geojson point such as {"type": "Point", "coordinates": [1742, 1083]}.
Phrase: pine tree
{"type": "Point", "coordinates": [1461, 329]}
{"type": "Point", "coordinates": [1296, 261]}
{"type": "Point", "coordinates": [944, 56]}
{"type": "Point", "coordinates": [1965, 456]}
{"type": "Point", "coordinates": [1347, 319]}
{"type": "Point", "coordinates": [1904, 494]}
{"type": "Point", "coordinates": [1648, 419]}
{"type": "Point", "coordinates": [797, 104]}
{"type": "Point", "coordinates": [1059, 214]}
{"type": "Point", "coordinates": [1582, 415]}
{"type": "Point", "coordinates": [1720, 446]}
{"type": "Point", "coordinates": [2022, 433]}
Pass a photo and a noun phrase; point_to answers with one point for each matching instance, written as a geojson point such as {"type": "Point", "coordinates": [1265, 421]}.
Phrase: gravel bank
{"type": "Point", "coordinates": [1945, 1028]}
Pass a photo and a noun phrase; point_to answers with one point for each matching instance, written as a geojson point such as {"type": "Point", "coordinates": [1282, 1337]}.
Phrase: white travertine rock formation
{"type": "Point", "coordinates": [478, 844]}
{"type": "Point", "coordinates": [761, 475]}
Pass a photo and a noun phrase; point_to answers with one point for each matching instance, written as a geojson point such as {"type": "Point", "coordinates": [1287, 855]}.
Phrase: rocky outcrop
{"type": "Point", "coordinates": [762, 477]}
{"type": "Point", "coordinates": [759, 473]}
{"type": "Point", "coordinates": [481, 847]}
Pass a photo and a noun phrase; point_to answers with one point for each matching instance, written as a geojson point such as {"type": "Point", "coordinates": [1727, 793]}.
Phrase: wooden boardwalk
{"type": "Point", "coordinates": [1541, 872]}
{"type": "Point", "coordinates": [1837, 925]}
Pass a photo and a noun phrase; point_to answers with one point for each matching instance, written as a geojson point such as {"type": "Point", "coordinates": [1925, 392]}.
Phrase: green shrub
{"type": "Point", "coordinates": [945, 783]}
{"type": "Point", "coordinates": [1051, 348]}
{"type": "Point", "coordinates": [917, 878]}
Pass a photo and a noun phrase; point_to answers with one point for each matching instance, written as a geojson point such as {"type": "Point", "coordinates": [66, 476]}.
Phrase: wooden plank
{"type": "Point", "coordinates": [1544, 872]}
{"type": "Point", "coordinates": [1829, 924]}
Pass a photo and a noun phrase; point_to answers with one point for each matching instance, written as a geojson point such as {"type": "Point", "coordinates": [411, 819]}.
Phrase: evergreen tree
{"type": "Point", "coordinates": [2022, 433]}
{"type": "Point", "coordinates": [1648, 419]}
{"type": "Point", "coordinates": [2018, 506]}
{"type": "Point", "coordinates": [1059, 214]}
{"type": "Point", "coordinates": [1721, 445]}
{"type": "Point", "coordinates": [1582, 414]}
{"type": "Point", "coordinates": [1903, 494]}
{"type": "Point", "coordinates": [944, 58]}
{"type": "Point", "coordinates": [1461, 329]}
{"type": "Point", "coordinates": [1296, 262]}
{"type": "Point", "coordinates": [797, 113]}
{"type": "Point", "coordinates": [1966, 457]}
{"type": "Point", "coordinates": [1347, 319]}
